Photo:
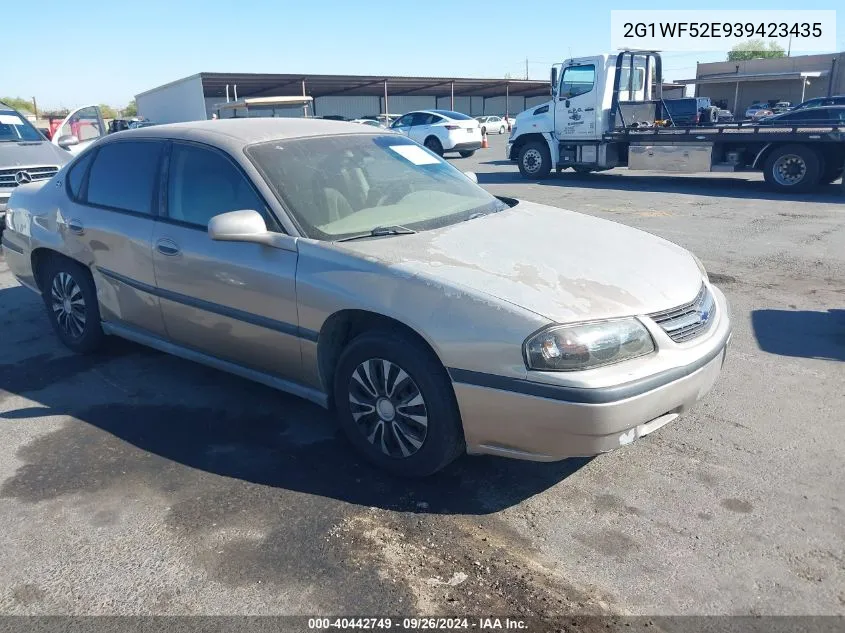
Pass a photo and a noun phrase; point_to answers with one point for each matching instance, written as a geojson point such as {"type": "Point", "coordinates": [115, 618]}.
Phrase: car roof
{"type": "Point", "coordinates": [244, 131]}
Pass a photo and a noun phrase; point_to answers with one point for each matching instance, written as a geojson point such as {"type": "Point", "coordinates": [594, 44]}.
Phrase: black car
{"type": "Point", "coordinates": [691, 111]}
{"type": "Point", "coordinates": [818, 102]}
{"type": "Point", "coordinates": [824, 115]}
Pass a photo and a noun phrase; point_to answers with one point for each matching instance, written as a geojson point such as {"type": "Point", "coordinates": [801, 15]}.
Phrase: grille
{"type": "Point", "coordinates": [7, 176]}
{"type": "Point", "coordinates": [690, 320]}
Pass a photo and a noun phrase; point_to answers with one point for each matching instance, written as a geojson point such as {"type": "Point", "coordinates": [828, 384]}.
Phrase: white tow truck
{"type": "Point", "coordinates": [608, 111]}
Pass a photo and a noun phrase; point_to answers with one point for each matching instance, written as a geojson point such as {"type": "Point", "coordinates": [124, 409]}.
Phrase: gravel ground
{"type": "Point", "coordinates": [136, 483]}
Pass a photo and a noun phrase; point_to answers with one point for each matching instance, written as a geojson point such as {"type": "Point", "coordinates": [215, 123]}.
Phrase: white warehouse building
{"type": "Point", "coordinates": [350, 96]}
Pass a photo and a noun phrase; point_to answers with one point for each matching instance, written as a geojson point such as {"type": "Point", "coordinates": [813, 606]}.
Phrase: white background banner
{"type": "Point", "coordinates": [798, 31]}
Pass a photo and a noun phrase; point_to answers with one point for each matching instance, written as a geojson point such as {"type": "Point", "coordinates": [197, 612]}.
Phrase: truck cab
{"type": "Point", "coordinates": [590, 97]}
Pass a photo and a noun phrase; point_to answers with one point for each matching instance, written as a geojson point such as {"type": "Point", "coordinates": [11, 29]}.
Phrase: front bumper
{"type": "Point", "coordinates": [526, 421]}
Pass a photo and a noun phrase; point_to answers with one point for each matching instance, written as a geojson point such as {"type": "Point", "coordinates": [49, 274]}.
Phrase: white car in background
{"type": "Point", "coordinates": [492, 124]}
{"type": "Point", "coordinates": [441, 131]}
{"type": "Point", "coordinates": [371, 122]}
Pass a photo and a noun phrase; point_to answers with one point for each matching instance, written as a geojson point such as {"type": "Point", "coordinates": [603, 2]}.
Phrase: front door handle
{"type": "Point", "coordinates": [75, 226]}
{"type": "Point", "coordinates": [589, 109]}
{"type": "Point", "coordinates": [167, 247]}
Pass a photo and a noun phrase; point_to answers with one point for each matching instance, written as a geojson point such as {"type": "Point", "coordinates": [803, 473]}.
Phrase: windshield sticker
{"type": "Point", "coordinates": [10, 119]}
{"type": "Point", "coordinates": [415, 154]}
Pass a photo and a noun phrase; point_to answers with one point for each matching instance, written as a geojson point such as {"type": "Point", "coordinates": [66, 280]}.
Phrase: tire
{"type": "Point", "coordinates": [793, 168]}
{"type": "Point", "coordinates": [467, 154]}
{"type": "Point", "coordinates": [433, 144]}
{"type": "Point", "coordinates": [534, 160]}
{"type": "Point", "coordinates": [483, 131]}
{"type": "Point", "coordinates": [502, 130]}
{"type": "Point", "coordinates": [426, 448]}
{"type": "Point", "coordinates": [71, 301]}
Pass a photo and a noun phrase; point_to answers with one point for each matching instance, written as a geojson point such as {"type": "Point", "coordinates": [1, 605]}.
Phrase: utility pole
{"type": "Point", "coordinates": [526, 68]}
{"type": "Point", "coordinates": [35, 108]}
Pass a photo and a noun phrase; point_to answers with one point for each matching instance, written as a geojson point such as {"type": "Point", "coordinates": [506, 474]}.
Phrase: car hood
{"type": "Point", "coordinates": [32, 154]}
{"type": "Point", "coordinates": [562, 265]}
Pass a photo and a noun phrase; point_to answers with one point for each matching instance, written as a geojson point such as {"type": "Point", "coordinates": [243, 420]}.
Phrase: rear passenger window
{"type": "Point", "coordinates": [76, 175]}
{"type": "Point", "coordinates": [204, 183]}
{"type": "Point", "coordinates": [123, 176]}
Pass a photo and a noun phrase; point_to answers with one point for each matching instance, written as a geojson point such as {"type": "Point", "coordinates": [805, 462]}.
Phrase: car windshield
{"type": "Point", "coordinates": [13, 127]}
{"type": "Point", "coordinates": [343, 186]}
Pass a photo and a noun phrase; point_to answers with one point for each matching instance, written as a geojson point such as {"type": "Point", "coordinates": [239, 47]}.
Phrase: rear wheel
{"type": "Point", "coordinates": [467, 154]}
{"type": "Point", "coordinates": [395, 403]}
{"type": "Point", "coordinates": [793, 168]}
{"type": "Point", "coordinates": [502, 130]}
{"type": "Point", "coordinates": [434, 145]}
{"type": "Point", "coordinates": [534, 160]}
{"type": "Point", "coordinates": [71, 300]}
{"type": "Point", "coordinates": [483, 130]}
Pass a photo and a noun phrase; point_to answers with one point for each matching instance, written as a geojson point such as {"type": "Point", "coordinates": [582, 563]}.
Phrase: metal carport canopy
{"type": "Point", "coordinates": [258, 84]}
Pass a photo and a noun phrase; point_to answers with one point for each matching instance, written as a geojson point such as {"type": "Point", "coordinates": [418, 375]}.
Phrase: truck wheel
{"type": "Point", "coordinates": [534, 160]}
{"type": "Point", "coordinates": [793, 168]}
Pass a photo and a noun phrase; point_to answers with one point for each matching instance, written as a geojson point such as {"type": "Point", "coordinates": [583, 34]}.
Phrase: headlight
{"type": "Point", "coordinates": [587, 345]}
{"type": "Point", "coordinates": [700, 267]}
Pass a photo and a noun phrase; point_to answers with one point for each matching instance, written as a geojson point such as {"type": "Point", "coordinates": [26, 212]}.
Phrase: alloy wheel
{"type": "Point", "coordinates": [388, 407]}
{"type": "Point", "coordinates": [68, 304]}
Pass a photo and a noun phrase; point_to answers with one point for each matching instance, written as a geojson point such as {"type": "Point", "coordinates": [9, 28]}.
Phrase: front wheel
{"type": "Point", "coordinates": [396, 405]}
{"type": "Point", "coordinates": [467, 154]}
{"type": "Point", "coordinates": [433, 144]}
{"type": "Point", "coordinates": [793, 168]}
{"type": "Point", "coordinates": [534, 160]}
{"type": "Point", "coordinates": [502, 130]}
{"type": "Point", "coordinates": [483, 131]}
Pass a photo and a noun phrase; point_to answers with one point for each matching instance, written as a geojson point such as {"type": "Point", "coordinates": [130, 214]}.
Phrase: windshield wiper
{"type": "Point", "coordinates": [380, 231]}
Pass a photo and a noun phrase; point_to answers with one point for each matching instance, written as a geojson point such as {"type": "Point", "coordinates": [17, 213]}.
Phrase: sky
{"type": "Point", "coordinates": [105, 54]}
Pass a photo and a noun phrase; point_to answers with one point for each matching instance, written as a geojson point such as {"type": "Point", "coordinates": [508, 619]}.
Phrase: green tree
{"type": "Point", "coordinates": [18, 103]}
{"type": "Point", "coordinates": [756, 49]}
{"type": "Point", "coordinates": [131, 109]}
{"type": "Point", "coordinates": [107, 111]}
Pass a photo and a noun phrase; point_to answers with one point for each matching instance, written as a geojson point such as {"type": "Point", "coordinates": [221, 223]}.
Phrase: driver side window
{"type": "Point", "coordinates": [577, 80]}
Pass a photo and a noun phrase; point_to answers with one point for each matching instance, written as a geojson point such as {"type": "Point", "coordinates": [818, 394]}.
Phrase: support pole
{"type": "Point", "coordinates": [452, 102]}
{"type": "Point", "coordinates": [803, 88]}
{"type": "Point", "coordinates": [507, 99]}
{"type": "Point", "coordinates": [736, 98]}
{"type": "Point", "coordinates": [304, 105]}
{"type": "Point", "coordinates": [386, 118]}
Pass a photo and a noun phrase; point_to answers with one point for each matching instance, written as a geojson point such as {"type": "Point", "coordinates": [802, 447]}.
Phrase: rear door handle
{"type": "Point", "coordinates": [588, 109]}
{"type": "Point", "coordinates": [75, 226]}
{"type": "Point", "coordinates": [167, 247]}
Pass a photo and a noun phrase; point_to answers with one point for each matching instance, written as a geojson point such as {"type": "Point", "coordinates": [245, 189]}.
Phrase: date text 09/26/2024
{"type": "Point", "coordinates": [417, 624]}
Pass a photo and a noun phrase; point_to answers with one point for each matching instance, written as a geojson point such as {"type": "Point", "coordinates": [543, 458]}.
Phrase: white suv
{"type": "Point", "coordinates": [441, 131]}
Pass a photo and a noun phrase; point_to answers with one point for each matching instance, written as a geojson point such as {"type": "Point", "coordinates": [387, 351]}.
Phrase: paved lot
{"type": "Point", "coordinates": [133, 482]}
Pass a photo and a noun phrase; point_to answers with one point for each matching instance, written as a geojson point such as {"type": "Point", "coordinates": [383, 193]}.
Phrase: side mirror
{"type": "Point", "coordinates": [471, 175]}
{"type": "Point", "coordinates": [67, 141]}
{"type": "Point", "coordinates": [243, 226]}
{"type": "Point", "coordinates": [553, 80]}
